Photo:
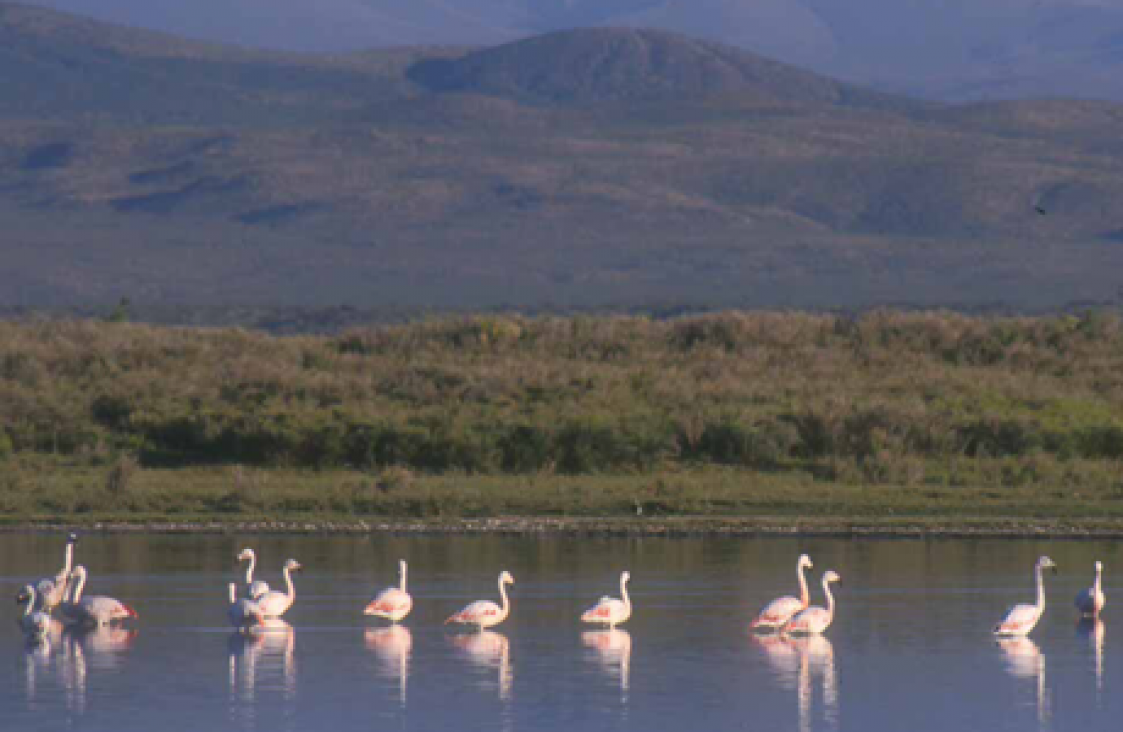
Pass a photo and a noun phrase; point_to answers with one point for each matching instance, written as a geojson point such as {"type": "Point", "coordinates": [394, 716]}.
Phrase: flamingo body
{"type": "Point", "coordinates": [484, 613]}
{"type": "Point", "coordinates": [34, 623]}
{"type": "Point", "coordinates": [611, 611]}
{"type": "Point", "coordinates": [1021, 619]}
{"type": "Point", "coordinates": [777, 613]}
{"type": "Point", "coordinates": [393, 603]}
{"type": "Point", "coordinates": [815, 619]}
{"type": "Point", "coordinates": [93, 609]}
{"type": "Point", "coordinates": [243, 613]}
{"type": "Point", "coordinates": [1092, 600]}
{"type": "Point", "coordinates": [274, 604]}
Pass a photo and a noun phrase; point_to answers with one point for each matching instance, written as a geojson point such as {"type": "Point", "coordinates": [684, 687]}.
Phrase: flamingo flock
{"type": "Point", "coordinates": [253, 605]}
{"type": "Point", "coordinates": [63, 593]}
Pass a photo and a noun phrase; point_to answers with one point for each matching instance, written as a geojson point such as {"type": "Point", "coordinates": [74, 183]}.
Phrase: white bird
{"type": "Point", "coordinates": [1021, 619]}
{"type": "Point", "coordinates": [93, 609]}
{"type": "Point", "coordinates": [484, 613]}
{"type": "Point", "coordinates": [1092, 600]}
{"type": "Point", "coordinates": [254, 590]}
{"type": "Point", "coordinates": [777, 613]}
{"type": "Point", "coordinates": [34, 623]}
{"type": "Point", "coordinates": [243, 613]}
{"type": "Point", "coordinates": [610, 610]}
{"type": "Point", "coordinates": [51, 591]}
{"type": "Point", "coordinates": [393, 603]}
{"type": "Point", "coordinates": [815, 619]}
{"type": "Point", "coordinates": [275, 604]}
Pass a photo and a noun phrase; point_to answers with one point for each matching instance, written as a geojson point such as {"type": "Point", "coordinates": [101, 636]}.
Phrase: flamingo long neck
{"type": "Point", "coordinates": [830, 598]}
{"type": "Point", "coordinates": [30, 603]}
{"type": "Point", "coordinates": [1040, 589]}
{"type": "Point", "coordinates": [79, 587]}
{"type": "Point", "coordinates": [624, 594]}
{"type": "Point", "coordinates": [1096, 586]}
{"type": "Point", "coordinates": [804, 595]}
{"type": "Point", "coordinates": [249, 569]}
{"type": "Point", "coordinates": [404, 570]}
{"type": "Point", "coordinates": [233, 593]}
{"type": "Point", "coordinates": [289, 584]}
{"type": "Point", "coordinates": [503, 594]}
{"type": "Point", "coordinates": [69, 563]}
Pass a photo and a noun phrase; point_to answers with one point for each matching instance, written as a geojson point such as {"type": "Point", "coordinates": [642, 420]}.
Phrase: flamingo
{"type": "Point", "coordinates": [484, 613]}
{"type": "Point", "coordinates": [777, 613]}
{"type": "Point", "coordinates": [610, 610]}
{"type": "Point", "coordinates": [51, 591]}
{"type": "Point", "coordinates": [93, 609]}
{"type": "Point", "coordinates": [254, 590]}
{"type": "Point", "coordinates": [243, 613]}
{"type": "Point", "coordinates": [393, 603]}
{"type": "Point", "coordinates": [1090, 601]}
{"type": "Point", "coordinates": [34, 623]}
{"type": "Point", "coordinates": [1021, 619]}
{"type": "Point", "coordinates": [815, 619]}
{"type": "Point", "coordinates": [274, 604]}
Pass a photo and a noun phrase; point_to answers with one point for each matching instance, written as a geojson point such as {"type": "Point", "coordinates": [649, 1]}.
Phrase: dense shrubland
{"type": "Point", "coordinates": [890, 398]}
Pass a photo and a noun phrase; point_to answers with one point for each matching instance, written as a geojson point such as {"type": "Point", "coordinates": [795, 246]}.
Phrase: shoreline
{"type": "Point", "coordinates": [671, 527]}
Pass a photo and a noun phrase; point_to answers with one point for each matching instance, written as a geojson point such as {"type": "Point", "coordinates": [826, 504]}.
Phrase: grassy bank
{"type": "Point", "coordinates": [891, 414]}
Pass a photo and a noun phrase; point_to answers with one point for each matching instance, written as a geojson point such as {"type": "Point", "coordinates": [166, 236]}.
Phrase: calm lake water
{"type": "Point", "coordinates": [910, 648]}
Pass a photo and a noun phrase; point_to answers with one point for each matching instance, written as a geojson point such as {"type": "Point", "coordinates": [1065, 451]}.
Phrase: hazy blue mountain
{"type": "Point", "coordinates": [590, 168]}
{"type": "Point", "coordinates": [953, 49]}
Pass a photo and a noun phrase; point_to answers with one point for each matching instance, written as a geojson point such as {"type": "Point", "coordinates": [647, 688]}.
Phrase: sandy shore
{"type": "Point", "coordinates": [669, 527]}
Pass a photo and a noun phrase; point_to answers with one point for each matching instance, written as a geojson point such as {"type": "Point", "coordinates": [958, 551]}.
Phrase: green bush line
{"type": "Point", "coordinates": [888, 398]}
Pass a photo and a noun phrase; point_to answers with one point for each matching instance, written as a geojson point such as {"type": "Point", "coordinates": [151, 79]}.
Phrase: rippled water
{"type": "Point", "coordinates": [910, 649]}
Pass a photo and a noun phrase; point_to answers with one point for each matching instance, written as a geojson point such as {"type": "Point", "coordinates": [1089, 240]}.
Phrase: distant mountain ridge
{"type": "Point", "coordinates": [951, 50]}
{"type": "Point", "coordinates": [591, 168]}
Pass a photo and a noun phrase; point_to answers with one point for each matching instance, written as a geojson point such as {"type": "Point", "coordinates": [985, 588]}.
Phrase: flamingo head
{"type": "Point", "coordinates": [71, 538]}
{"type": "Point", "coordinates": [625, 576]}
{"type": "Point", "coordinates": [401, 566]}
{"type": "Point", "coordinates": [1047, 563]}
{"type": "Point", "coordinates": [78, 572]}
{"type": "Point", "coordinates": [1099, 566]}
{"type": "Point", "coordinates": [24, 596]}
{"type": "Point", "coordinates": [245, 554]}
{"type": "Point", "coordinates": [831, 576]}
{"type": "Point", "coordinates": [805, 562]}
{"type": "Point", "coordinates": [293, 566]}
{"type": "Point", "coordinates": [506, 578]}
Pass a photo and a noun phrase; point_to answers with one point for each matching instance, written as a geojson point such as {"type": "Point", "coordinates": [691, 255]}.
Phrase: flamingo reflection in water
{"type": "Point", "coordinates": [1024, 660]}
{"type": "Point", "coordinates": [392, 646]}
{"type": "Point", "coordinates": [1095, 631]}
{"type": "Point", "coordinates": [613, 650]}
{"type": "Point", "coordinates": [796, 661]}
{"type": "Point", "coordinates": [488, 649]}
{"type": "Point", "coordinates": [263, 659]}
{"type": "Point", "coordinates": [68, 656]}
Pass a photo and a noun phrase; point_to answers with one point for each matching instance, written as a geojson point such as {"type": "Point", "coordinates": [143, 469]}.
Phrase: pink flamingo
{"type": "Point", "coordinates": [1021, 619]}
{"type": "Point", "coordinates": [777, 613]}
{"type": "Point", "coordinates": [93, 609]}
{"type": "Point", "coordinates": [610, 610]}
{"type": "Point", "coordinates": [815, 619]}
{"type": "Point", "coordinates": [1092, 600]}
{"type": "Point", "coordinates": [484, 613]}
{"type": "Point", "coordinates": [393, 603]}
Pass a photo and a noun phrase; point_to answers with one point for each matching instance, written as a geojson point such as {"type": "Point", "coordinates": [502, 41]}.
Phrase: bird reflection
{"type": "Point", "coordinates": [1024, 660]}
{"type": "Point", "coordinates": [263, 659]}
{"type": "Point", "coordinates": [816, 658]}
{"type": "Point", "coordinates": [392, 646]}
{"type": "Point", "coordinates": [1095, 631]}
{"type": "Point", "coordinates": [488, 649]}
{"type": "Point", "coordinates": [614, 652]}
{"type": "Point", "coordinates": [67, 656]}
{"type": "Point", "coordinates": [796, 662]}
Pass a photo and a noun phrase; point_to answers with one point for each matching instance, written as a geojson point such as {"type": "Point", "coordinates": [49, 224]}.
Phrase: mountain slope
{"type": "Point", "coordinates": [594, 168]}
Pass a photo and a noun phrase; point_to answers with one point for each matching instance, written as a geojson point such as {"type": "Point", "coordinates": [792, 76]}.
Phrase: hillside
{"type": "Point", "coordinates": [950, 50]}
{"type": "Point", "coordinates": [583, 169]}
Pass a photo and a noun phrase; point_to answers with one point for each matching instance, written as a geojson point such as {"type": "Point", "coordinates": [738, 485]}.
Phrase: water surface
{"type": "Point", "coordinates": [911, 646]}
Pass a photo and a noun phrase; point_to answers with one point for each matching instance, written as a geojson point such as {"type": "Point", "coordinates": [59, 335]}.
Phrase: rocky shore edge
{"type": "Point", "coordinates": [626, 527]}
